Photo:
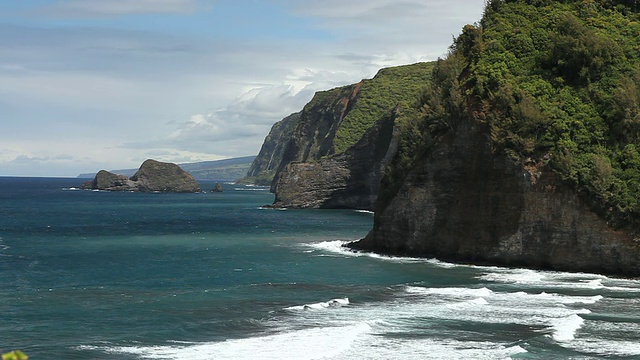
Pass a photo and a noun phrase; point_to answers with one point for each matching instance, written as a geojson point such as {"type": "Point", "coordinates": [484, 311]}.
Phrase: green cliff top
{"type": "Point", "coordinates": [378, 97]}
{"type": "Point", "coordinates": [557, 83]}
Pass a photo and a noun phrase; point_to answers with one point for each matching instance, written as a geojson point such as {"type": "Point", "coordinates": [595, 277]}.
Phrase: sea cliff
{"type": "Point", "coordinates": [349, 180]}
{"type": "Point", "coordinates": [527, 153]}
{"type": "Point", "coordinates": [333, 153]}
{"type": "Point", "coordinates": [264, 166]}
{"type": "Point", "coordinates": [520, 148]}
{"type": "Point", "coordinates": [461, 202]}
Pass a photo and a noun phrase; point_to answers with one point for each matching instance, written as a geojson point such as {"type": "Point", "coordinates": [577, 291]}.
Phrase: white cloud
{"type": "Point", "coordinates": [393, 31]}
{"type": "Point", "coordinates": [118, 95]}
{"type": "Point", "coordinates": [239, 127]}
{"type": "Point", "coordinates": [29, 158]}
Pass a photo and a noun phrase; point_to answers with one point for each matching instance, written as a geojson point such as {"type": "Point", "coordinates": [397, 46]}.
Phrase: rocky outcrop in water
{"type": "Point", "coordinates": [105, 180]}
{"type": "Point", "coordinates": [217, 188]}
{"type": "Point", "coordinates": [152, 176]}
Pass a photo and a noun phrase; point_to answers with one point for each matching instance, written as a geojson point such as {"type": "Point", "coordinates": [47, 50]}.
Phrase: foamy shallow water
{"type": "Point", "coordinates": [509, 313]}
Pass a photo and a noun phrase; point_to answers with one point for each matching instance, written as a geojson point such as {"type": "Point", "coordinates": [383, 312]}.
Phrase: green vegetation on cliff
{"type": "Point", "coordinates": [555, 83]}
{"type": "Point", "coordinates": [378, 97]}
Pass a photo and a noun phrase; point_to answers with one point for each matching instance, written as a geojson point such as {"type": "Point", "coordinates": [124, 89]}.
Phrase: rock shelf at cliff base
{"type": "Point", "coordinates": [152, 176]}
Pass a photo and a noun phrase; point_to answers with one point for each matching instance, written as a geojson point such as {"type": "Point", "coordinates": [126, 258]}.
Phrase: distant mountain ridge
{"type": "Point", "coordinates": [220, 170]}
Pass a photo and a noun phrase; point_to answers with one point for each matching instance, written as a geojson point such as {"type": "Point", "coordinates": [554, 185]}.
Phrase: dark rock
{"type": "Point", "coordinates": [164, 177]}
{"type": "Point", "coordinates": [312, 138]}
{"type": "Point", "coordinates": [152, 176]}
{"type": "Point", "coordinates": [217, 188]}
{"type": "Point", "coordinates": [337, 152]}
{"type": "Point", "coordinates": [105, 180]}
{"type": "Point", "coordinates": [264, 166]}
{"type": "Point", "coordinates": [463, 203]}
{"type": "Point", "coordinates": [349, 180]}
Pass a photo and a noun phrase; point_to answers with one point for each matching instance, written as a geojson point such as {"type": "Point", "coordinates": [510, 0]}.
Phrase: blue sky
{"type": "Point", "coordinates": [105, 84]}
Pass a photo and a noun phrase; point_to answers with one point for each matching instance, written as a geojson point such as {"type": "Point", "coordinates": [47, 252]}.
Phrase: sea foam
{"type": "Point", "coordinates": [564, 329]}
{"type": "Point", "coordinates": [307, 344]}
{"type": "Point", "coordinates": [333, 303]}
{"type": "Point", "coordinates": [338, 247]}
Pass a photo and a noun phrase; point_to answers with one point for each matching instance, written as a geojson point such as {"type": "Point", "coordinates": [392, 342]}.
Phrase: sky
{"type": "Point", "coordinates": [105, 84]}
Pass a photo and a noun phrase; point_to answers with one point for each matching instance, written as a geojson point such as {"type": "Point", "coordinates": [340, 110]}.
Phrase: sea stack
{"type": "Point", "coordinates": [217, 188]}
{"type": "Point", "coordinates": [152, 176]}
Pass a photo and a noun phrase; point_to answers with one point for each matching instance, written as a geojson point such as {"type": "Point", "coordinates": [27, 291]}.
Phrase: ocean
{"type": "Point", "coordinates": [100, 275]}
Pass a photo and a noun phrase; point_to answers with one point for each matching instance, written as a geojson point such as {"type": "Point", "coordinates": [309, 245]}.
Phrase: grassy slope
{"type": "Point", "coordinates": [378, 97]}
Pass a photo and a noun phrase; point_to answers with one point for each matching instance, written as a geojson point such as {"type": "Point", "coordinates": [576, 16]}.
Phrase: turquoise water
{"type": "Point", "coordinates": [99, 275]}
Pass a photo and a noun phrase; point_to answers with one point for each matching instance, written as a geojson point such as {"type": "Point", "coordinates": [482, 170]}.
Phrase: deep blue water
{"type": "Point", "coordinates": [100, 275]}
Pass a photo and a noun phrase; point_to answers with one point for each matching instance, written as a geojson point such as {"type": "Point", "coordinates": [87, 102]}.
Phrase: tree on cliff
{"type": "Point", "coordinates": [557, 83]}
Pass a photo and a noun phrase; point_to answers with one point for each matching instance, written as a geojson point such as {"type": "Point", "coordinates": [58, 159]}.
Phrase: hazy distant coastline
{"type": "Point", "coordinates": [221, 170]}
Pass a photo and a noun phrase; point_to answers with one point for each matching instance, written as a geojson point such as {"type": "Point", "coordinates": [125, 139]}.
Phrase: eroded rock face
{"type": "Point", "coordinates": [164, 177]}
{"type": "Point", "coordinates": [334, 156]}
{"type": "Point", "coordinates": [463, 203]}
{"type": "Point", "coordinates": [264, 166]}
{"type": "Point", "coordinates": [152, 176]}
{"type": "Point", "coordinates": [108, 180]}
{"type": "Point", "coordinates": [312, 138]}
{"type": "Point", "coordinates": [349, 180]}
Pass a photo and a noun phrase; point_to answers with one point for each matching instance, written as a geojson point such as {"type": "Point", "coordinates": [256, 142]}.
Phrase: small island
{"type": "Point", "coordinates": [217, 188]}
{"type": "Point", "coordinates": [152, 176]}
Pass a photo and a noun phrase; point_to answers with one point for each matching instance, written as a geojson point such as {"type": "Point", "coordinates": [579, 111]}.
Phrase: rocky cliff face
{"type": "Point", "coordinates": [335, 154]}
{"type": "Point", "coordinates": [312, 141]}
{"type": "Point", "coordinates": [264, 166]}
{"type": "Point", "coordinates": [462, 202]}
{"type": "Point", "coordinates": [348, 180]}
{"type": "Point", "coordinates": [312, 138]}
{"type": "Point", "coordinates": [522, 151]}
{"type": "Point", "coordinates": [152, 176]}
{"type": "Point", "coordinates": [504, 173]}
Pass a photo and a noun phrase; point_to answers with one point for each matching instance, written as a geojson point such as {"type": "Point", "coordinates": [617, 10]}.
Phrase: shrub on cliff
{"type": "Point", "coordinates": [555, 82]}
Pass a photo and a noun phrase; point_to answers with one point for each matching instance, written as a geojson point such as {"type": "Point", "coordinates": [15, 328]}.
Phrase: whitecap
{"type": "Point", "coordinates": [307, 344]}
{"type": "Point", "coordinates": [333, 303]}
{"type": "Point", "coordinates": [582, 299]}
{"type": "Point", "coordinates": [469, 304]}
{"type": "Point", "coordinates": [564, 329]}
{"type": "Point", "coordinates": [451, 291]}
{"type": "Point", "coordinates": [607, 347]}
{"type": "Point", "coordinates": [478, 301]}
{"type": "Point", "coordinates": [561, 299]}
{"type": "Point", "coordinates": [515, 350]}
{"type": "Point", "coordinates": [338, 247]}
{"type": "Point", "coordinates": [560, 280]}
{"type": "Point", "coordinates": [514, 276]}
{"type": "Point", "coordinates": [594, 284]}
